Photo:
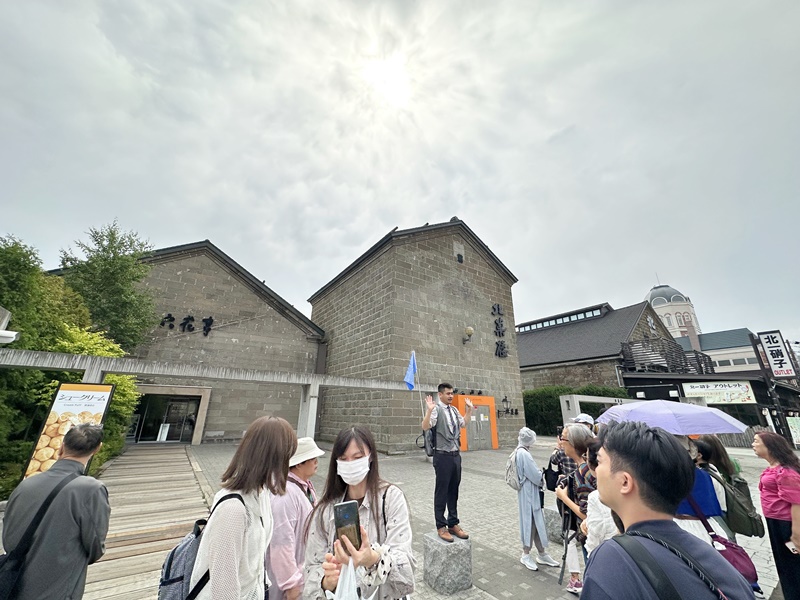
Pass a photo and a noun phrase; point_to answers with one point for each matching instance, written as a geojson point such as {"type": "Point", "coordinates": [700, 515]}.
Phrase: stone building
{"type": "Point", "coordinates": [594, 345]}
{"type": "Point", "coordinates": [216, 313]}
{"type": "Point", "coordinates": [418, 289]}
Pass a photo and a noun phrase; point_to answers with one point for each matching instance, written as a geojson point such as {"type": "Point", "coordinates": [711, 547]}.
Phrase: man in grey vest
{"type": "Point", "coordinates": [446, 459]}
{"type": "Point", "coordinates": [73, 531]}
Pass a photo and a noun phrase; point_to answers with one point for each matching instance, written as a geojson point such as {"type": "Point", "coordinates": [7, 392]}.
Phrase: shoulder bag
{"type": "Point", "coordinates": [13, 563]}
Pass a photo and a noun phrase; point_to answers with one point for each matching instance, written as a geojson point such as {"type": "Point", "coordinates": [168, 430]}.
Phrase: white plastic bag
{"type": "Point", "coordinates": [347, 589]}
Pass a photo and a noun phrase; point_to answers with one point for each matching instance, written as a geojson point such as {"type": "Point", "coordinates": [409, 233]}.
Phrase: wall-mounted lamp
{"type": "Point", "coordinates": [640, 394]}
{"type": "Point", "coordinates": [468, 333]}
{"type": "Point", "coordinates": [472, 392]}
{"type": "Point", "coordinates": [506, 410]}
{"type": "Point", "coordinates": [455, 390]}
{"type": "Point", "coordinates": [774, 412]}
{"type": "Point", "coordinates": [480, 392]}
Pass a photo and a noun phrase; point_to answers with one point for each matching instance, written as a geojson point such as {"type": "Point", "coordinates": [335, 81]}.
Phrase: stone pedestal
{"type": "Point", "coordinates": [448, 566]}
{"type": "Point", "coordinates": [553, 523]}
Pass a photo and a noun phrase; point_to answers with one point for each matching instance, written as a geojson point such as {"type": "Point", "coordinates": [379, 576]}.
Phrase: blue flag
{"type": "Point", "coordinates": [411, 371]}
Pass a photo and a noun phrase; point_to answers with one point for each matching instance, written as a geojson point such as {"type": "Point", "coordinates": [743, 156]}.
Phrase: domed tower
{"type": "Point", "coordinates": [675, 310]}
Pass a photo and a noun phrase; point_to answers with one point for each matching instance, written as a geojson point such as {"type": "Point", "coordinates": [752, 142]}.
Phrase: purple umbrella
{"type": "Point", "coordinates": [675, 417]}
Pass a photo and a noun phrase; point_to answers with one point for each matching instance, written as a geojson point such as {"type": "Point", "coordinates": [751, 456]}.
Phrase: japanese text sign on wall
{"type": "Point", "coordinates": [777, 355]}
{"type": "Point", "coordinates": [721, 392]}
{"type": "Point", "coordinates": [73, 404]}
{"type": "Point", "coordinates": [501, 348]}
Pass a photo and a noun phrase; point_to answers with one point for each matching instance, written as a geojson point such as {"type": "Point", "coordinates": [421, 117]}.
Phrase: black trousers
{"type": "Point", "coordinates": [445, 495]}
{"type": "Point", "coordinates": [786, 563]}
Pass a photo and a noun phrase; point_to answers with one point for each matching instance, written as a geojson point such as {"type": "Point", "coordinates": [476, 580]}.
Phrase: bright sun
{"type": "Point", "coordinates": [388, 77]}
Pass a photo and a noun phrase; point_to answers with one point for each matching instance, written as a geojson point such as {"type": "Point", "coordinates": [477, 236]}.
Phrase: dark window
{"type": "Point", "coordinates": [724, 363]}
{"type": "Point", "coordinates": [739, 361]}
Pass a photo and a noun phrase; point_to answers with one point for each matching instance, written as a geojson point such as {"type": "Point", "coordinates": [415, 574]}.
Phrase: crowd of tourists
{"type": "Point", "coordinates": [649, 512]}
{"type": "Point", "coordinates": [649, 515]}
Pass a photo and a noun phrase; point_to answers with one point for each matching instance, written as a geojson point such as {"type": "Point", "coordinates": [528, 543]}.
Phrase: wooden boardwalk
{"type": "Point", "coordinates": [155, 499]}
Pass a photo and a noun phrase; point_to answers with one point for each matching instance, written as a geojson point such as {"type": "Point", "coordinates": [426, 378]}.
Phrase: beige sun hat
{"type": "Point", "coordinates": [306, 450]}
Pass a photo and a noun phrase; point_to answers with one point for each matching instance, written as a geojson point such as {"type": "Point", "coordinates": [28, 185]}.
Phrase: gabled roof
{"type": "Point", "coordinates": [397, 235]}
{"type": "Point", "coordinates": [258, 286]}
{"type": "Point", "coordinates": [719, 340]}
{"type": "Point", "coordinates": [596, 337]}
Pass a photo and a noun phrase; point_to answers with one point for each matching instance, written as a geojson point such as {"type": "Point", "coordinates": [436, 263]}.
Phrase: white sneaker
{"type": "Point", "coordinates": [528, 562]}
{"type": "Point", "coordinates": [546, 559]}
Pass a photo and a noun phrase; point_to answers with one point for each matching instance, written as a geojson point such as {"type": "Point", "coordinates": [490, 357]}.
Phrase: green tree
{"type": "Point", "coordinates": [108, 277]}
{"type": "Point", "coordinates": [77, 340]}
{"type": "Point", "coordinates": [41, 306]}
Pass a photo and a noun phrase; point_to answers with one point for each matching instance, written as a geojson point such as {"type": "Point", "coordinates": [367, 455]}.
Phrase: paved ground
{"type": "Point", "coordinates": [488, 511]}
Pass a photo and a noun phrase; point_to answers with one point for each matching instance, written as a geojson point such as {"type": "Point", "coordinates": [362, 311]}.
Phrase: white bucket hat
{"type": "Point", "coordinates": [306, 450]}
{"type": "Point", "coordinates": [584, 418]}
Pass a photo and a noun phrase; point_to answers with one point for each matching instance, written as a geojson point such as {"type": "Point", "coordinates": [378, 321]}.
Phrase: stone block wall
{"type": "Point", "coordinates": [415, 295]}
{"type": "Point", "coordinates": [247, 333]}
{"type": "Point", "coordinates": [599, 372]}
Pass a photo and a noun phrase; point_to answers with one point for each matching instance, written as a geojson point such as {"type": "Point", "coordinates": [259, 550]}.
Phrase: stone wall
{"type": "Point", "coordinates": [575, 375]}
{"type": "Point", "coordinates": [413, 294]}
{"type": "Point", "coordinates": [247, 333]}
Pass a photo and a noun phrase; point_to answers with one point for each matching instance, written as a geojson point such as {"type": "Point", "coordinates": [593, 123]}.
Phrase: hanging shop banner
{"type": "Point", "coordinates": [73, 404]}
{"type": "Point", "coordinates": [777, 355]}
{"type": "Point", "coordinates": [721, 392]}
{"type": "Point", "coordinates": [794, 429]}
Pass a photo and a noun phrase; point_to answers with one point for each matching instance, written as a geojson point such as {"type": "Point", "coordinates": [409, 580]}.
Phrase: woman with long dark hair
{"type": "Point", "coordinates": [385, 553]}
{"type": "Point", "coordinates": [780, 502]}
{"type": "Point", "coordinates": [718, 456]}
{"type": "Point", "coordinates": [239, 529]}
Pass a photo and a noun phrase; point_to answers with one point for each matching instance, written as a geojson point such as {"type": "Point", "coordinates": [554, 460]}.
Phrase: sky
{"type": "Point", "coordinates": [596, 147]}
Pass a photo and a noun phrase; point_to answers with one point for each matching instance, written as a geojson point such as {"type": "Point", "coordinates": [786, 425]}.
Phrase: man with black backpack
{"type": "Point", "coordinates": [71, 533]}
{"type": "Point", "coordinates": [643, 473]}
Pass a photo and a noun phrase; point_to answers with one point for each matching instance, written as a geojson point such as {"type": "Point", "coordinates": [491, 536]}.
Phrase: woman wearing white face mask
{"type": "Point", "coordinates": [385, 561]}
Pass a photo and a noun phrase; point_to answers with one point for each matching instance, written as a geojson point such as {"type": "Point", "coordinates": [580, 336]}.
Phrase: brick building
{"type": "Point", "coordinates": [418, 289]}
{"type": "Point", "coordinates": [252, 328]}
{"type": "Point", "coordinates": [595, 344]}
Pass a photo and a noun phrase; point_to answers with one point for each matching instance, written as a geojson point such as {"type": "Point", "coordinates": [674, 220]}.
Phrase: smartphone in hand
{"type": "Point", "coordinates": [345, 519]}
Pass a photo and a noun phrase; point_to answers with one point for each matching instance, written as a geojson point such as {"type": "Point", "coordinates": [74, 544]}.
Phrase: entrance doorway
{"type": "Point", "coordinates": [164, 418]}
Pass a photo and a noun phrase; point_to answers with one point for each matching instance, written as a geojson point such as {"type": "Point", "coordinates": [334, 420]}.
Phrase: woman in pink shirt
{"type": "Point", "coordinates": [780, 503]}
{"type": "Point", "coordinates": [286, 554]}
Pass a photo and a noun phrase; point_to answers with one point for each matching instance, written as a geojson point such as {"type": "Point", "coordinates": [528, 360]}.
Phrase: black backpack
{"type": "Point", "coordinates": [427, 440]}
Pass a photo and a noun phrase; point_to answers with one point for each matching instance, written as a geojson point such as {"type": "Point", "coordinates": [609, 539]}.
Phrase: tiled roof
{"type": "Point", "coordinates": [719, 340]}
{"type": "Point", "coordinates": [579, 340]}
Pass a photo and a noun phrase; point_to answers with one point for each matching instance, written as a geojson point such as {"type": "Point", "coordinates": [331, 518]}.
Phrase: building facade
{"type": "Point", "coordinates": [675, 310]}
{"type": "Point", "coordinates": [420, 290]}
{"type": "Point", "coordinates": [587, 346]}
{"type": "Point", "coordinates": [216, 313]}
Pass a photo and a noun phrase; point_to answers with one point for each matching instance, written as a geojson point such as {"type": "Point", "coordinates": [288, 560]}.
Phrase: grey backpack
{"type": "Point", "coordinates": [176, 574]}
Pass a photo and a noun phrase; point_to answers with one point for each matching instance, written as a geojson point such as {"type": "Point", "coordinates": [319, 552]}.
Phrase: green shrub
{"type": "Point", "coordinates": [543, 406]}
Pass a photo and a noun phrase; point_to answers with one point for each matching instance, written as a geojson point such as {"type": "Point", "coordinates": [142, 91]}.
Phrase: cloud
{"type": "Point", "coordinates": [590, 146]}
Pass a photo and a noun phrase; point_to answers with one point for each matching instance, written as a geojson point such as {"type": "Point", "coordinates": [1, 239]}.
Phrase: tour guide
{"type": "Point", "coordinates": [446, 459]}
